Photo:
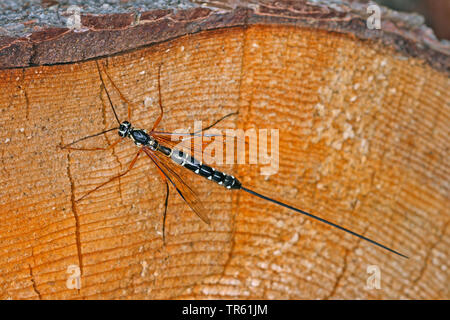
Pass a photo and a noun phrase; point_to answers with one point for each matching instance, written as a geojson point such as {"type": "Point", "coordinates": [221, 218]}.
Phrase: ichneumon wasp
{"type": "Point", "coordinates": [168, 158]}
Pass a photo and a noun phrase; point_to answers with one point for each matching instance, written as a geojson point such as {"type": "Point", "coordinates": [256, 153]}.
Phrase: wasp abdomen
{"type": "Point", "coordinates": [204, 170]}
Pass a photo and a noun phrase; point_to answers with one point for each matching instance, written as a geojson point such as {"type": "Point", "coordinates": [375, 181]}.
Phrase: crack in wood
{"type": "Point", "coordinates": [33, 283]}
{"type": "Point", "coordinates": [428, 255]}
{"type": "Point", "coordinates": [74, 212]}
{"type": "Point", "coordinates": [3, 164]}
{"type": "Point", "coordinates": [25, 94]}
{"type": "Point", "coordinates": [339, 276]}
{"type": "Point", "coordinates": [344, 267]}
{"type": "Point", "coordinates": [233, 221]}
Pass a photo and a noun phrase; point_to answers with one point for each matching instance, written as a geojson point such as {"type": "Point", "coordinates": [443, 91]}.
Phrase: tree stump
{"type": "Point", "coordinates": [363, 141]}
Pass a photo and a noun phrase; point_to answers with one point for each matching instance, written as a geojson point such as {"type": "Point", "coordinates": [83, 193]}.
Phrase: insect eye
{"type": "Point", "coordinates": [122, 130]}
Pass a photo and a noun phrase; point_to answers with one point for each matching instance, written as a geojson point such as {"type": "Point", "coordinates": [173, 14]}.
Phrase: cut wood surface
{"type": "Point", "coordinates": [363, 142]}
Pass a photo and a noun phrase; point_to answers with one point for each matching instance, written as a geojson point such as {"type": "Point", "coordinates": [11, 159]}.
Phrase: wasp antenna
{"type": "Point", "coordinates": [87, 137]}
{"type": "Point", "coordinates": [107, 93]}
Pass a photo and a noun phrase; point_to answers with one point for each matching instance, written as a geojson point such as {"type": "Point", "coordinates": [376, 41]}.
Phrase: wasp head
{"type": "Point", "coordinates": [124, 129]}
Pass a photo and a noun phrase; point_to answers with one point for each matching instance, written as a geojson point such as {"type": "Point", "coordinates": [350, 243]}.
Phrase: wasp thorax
{"type": "Point", "coordinates": [140, 137]}
{"type": "Point", "coordinates": [124, 129]}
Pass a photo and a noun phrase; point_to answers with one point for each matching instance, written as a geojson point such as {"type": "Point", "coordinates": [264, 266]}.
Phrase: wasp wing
{"type": "Point", "coordinates": [170, 170]}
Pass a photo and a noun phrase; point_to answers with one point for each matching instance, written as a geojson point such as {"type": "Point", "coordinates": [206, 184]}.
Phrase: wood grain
{"type": "Point", "coordinates": [363, 142]}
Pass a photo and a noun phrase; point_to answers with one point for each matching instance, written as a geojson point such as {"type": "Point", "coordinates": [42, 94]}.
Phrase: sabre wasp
{"type": "Point", "coordinates": [167, 158]}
